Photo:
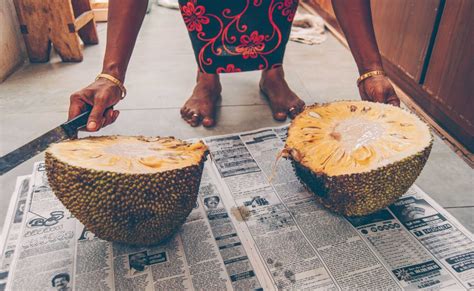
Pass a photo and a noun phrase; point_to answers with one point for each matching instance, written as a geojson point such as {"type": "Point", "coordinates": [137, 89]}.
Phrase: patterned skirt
{"type": "Point", "coordinates": [238, 35]}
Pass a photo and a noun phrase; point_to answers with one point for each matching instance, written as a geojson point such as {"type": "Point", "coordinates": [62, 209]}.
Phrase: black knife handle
{"type": "Point", "coordinates": [72, 126]}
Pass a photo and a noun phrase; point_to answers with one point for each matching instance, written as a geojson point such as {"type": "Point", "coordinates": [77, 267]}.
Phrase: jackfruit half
{"type": "Point", "coordinates": [357, 156]}
{"type": "Point", "coordinates": [135, 190]}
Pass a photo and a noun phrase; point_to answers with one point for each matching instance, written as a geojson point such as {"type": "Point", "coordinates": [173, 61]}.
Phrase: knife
{"type": "Point", "coordinates": [66, 130]}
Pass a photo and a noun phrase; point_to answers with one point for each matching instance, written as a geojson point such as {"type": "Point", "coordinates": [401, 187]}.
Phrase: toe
{"type": "Point", "coordinates": [297, 109]}
{"type": "Point", "coordinates": [293, 111]}
{"type": "Point", "coordinates": [188, 114]}
{"type": "Point", "coordinates": [185, 114]}
{"type": "Point", "coordinates": [292, 114]}
{"type": "Point", "coordinates": [188, 120]}
{"type": "Point", "coordinates": [208, 121]}
{"type": "Point", "coordinates": [301, 105]}
{"type": "Point", "coordinates": [195, 119]}
{"type": "Point", "coordinates": [280, 116]}
{"type": "Point", "coordinates": [191, 122]}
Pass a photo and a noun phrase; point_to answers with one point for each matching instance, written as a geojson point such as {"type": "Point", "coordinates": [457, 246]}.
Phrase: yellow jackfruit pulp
{"type": "Point", "coordinates": [125, 154]}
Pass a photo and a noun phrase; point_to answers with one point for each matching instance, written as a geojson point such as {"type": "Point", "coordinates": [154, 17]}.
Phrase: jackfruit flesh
{"type": "Point", "coordinates": [348, 137]}
{"type": "Point", "coordinates": [134, 190]}
{"type": "Point", "coordinates": [351, 138]}
{"type": "Point", "coordinates": [124, 154]}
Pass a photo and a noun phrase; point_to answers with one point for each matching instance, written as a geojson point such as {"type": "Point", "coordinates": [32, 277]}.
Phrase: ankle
{"type": "Point", "coordinates": [206, 77]}
{"type": "Point", "coordinates": [273, 73]}
{"type": "Point", "coordinates": [273, 80]}
{"type": "Point", "coordinates": [208, 84]}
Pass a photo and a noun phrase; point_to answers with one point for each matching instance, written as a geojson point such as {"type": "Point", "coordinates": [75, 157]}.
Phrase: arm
{"type": "Point", "coordinates": [124, 21]}
{"type": "Point", "coordinates": [355, 19]}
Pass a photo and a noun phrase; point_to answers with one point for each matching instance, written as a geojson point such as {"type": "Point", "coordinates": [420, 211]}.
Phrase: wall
{"type": "Point", "coordinates": [12, 48]}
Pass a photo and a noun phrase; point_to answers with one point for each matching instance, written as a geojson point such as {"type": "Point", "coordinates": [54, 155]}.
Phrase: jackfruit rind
{"type": "Point", "coordinates": [141, 208]}
{"type": "Point", "coordinates": [357, 192]}
{"type": "Point", "coordinates": [365, 193]}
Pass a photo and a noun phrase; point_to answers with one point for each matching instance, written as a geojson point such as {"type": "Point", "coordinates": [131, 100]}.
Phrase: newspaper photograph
{"type": "Point", "coordinates": [254, 227]}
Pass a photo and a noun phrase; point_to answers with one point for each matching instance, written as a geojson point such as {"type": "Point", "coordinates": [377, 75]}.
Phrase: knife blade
{"type": "Point", "coordinates": [64, 131]}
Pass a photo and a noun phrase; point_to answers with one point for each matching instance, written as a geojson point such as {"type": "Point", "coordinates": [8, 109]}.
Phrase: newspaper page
{"type": "Point", "coordinates": [254, 227]}
{"type": "Point", "coordinates": [301, 244]}
{"type": "Point", "coordinates": [439, 232]}
{"type": "Point", "coordinates": [46, 244]}
{"type": "Point", "coordinates": [12, 227]}
{"type": "Point", "coordinates": [55, 251]}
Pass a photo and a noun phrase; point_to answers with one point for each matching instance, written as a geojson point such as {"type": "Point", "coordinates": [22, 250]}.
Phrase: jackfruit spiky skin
{"type": "Point", "coordinates": [364, 193]}
{"type": "Point", "coordinates": [136, 209]}
{"type": "Point", "coordinates": [361, 193]}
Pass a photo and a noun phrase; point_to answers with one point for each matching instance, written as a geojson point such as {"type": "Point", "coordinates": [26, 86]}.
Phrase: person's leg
{"type": "Point", "coordinates": [283, 101]}
{"type": "Point", "coordinates": [201, 106]}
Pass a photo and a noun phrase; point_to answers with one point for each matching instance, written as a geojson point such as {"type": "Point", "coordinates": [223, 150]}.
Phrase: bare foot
{"type": "Point", "coordinates": [283, 101]}
{"type": "Point", "coordinates": [201, 106]}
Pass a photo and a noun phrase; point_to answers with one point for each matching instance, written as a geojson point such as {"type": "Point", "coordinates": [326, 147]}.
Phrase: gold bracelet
{"type": "Point", "coordinates": [114, 80]}
{"type": "Point", "coordinates": [368, 75]}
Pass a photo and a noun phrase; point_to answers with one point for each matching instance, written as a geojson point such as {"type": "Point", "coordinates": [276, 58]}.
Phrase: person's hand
{"type": "Point", "coordinates": [378, 89]}
{"type": "Point", "coordinates": [101, 96]}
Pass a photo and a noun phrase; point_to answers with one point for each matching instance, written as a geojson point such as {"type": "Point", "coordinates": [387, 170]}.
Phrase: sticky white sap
{"type": "Point", "coordinates": [356, 132]}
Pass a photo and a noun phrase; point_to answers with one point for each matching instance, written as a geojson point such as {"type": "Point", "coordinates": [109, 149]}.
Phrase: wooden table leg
{"type": "Point", "coordinates": [33, 19]}
{"type": "Point", "coordinates": [63, 33]}
{"type": "Point", "coordinates": [87, 33]}
{"type": "Point", "coordinates": [43, 22]}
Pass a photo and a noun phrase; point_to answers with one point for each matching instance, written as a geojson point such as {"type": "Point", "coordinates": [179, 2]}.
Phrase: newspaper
{"type": "Point", "coordinates": [12, 227]}
{"type": "Point", "coordinates": [254, 227]}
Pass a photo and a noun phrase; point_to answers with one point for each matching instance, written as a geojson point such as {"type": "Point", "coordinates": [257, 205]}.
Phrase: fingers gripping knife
{"type": "Point", "coordinates": [66, 130]}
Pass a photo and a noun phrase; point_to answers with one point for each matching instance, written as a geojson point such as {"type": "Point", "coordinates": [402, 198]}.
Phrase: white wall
{"type": "Point", "coordinates": [12, 47]}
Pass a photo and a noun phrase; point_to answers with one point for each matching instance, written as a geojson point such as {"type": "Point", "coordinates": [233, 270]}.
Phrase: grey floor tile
{"type": "Point", "coordinates": [447, 178]}
{"type": "Point", "coordinates": [167, 122]}
{"type": "Point", "coordinates": [18, 128]}
{"type": "Point", "coordinates": [465, 216]}
{"type": "Point", "coordinates": [327, 71]}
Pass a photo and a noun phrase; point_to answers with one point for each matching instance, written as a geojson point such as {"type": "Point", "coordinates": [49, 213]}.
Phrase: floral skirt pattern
{"type": "Point", "coordinates": [238, 35]}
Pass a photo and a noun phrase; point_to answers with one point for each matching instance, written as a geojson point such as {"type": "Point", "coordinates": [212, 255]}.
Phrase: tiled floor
{"type": "Point", "coordinates": [160, 78]}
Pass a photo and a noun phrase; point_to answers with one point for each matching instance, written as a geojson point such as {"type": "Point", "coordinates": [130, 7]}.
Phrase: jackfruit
{"type": "Point", "coordinates": [135, 190]}
{"type": "Point", "coordinates": [357, 156]}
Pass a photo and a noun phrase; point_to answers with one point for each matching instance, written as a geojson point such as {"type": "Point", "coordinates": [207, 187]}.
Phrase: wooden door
{"type": "Point", "coordinates": [403, 30]}
{"type": "Point", "coordinates": [450, 73]}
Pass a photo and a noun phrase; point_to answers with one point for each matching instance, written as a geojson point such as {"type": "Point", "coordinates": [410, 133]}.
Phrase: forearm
{"type": "Point", "coordinates": [355, 19]}
{"type": "Point", "coordinates": [124, 21]}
